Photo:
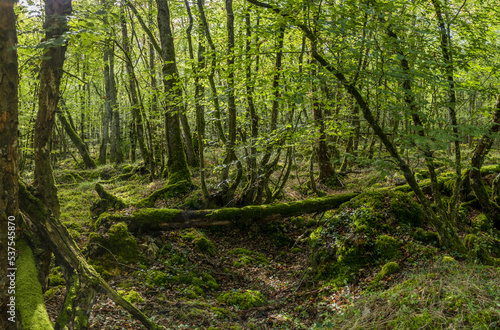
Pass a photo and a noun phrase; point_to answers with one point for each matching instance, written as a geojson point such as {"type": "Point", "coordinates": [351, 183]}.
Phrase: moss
{"type": "Point", "coordinates": [387, 270]}
{"type": "Point", "coordinates": [193, 292]}
{"type": "Point", "coordinates": [427, 237]}
{"type": "Point", "coordinates": [29, 298]}
{"type": "Point", "coordinates": [170, 190]}
{"type": "Point", "coordinates": [132, 296]}
{"type": "Point", "coordinates": [244, 299]}
{"type": "Point", "coordinates": [448, 260]}
{"type": "Point", "coordinates": [118, 243]}
{"type": "Point", "coordinates": [152, 218]}
{"type": "Point", "coordinates": [248, 257]}
{"type": "Point", "coordinates": [482, 222]}
{"type": "Point", "coordinates": [55, 280]}
{"type": "Point", "coordinates": [387, 247]}
{"type": "Point", "coordinates": [200, 242]}
{"type": "Point", "coordinates": [315, 236]}
{"type": "Point", "coordinates": [295, 250]}
{"type": "Point", "coordinates": [121, 243]}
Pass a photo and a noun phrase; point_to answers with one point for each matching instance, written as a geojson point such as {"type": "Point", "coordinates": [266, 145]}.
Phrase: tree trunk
{"type": "Point", "coordinates": [137, 107]}
{"type": "Point", "coordinates": [146, 220]}
{"type": "Point", "coordinates": [213, 65]}
{"type": "Point", "coordinates": [177, 166]}
{"type": "Point", "coordinates": [77, 141]}
{"type": "Point", "coordinates": [199, 92]}
{"type": "Point", "coordinates": [51, 71]}
{"type": "Point", "coordinates": [107, 116]}
{"type": "Point", "coordinates": [229, 189]}
{"type": "Point", "coordinates": [9, 79]}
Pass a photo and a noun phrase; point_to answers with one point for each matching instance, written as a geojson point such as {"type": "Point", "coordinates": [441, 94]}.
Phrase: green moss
{"type": "Point", "coordinates": [388, 247]}
{"type": "Point", "coordinates": [315, 236]}
{"type": "Point", "coordinates": [29, 298]}
{"type": "Point", "coordinates": [448, 260]}
{"type": "Point", "coordinates": [200, 242]}
{"type": "Point", "coordinates": [244, 299]}
{"type": "Point", "coordinates": [295, 250]}
{"type": "Point", "coordinates": [118, 243]}
{"type": "Point", "coordinates": [152, 218]}
{"type": "Point", "coordinates": [170, 190]}
{"type": "Point", "coordinates": [482, 222]}
{"type": "Point", "coordinates": [132, 296]}
{"type": "Point", "coordinates": [121, 243]}
{"type": "Point", "coordinates": [193, 292]}
{"type": "Point", "coordinates": [387, 270]}
{"type": "Point", "coordinates": [248, 257]}
{"type": "Point", "coordinates": [428, 237]}
{"type": "Point", "coordinates": [55, 280]}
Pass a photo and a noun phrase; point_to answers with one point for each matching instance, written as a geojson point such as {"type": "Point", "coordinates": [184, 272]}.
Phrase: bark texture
{"type": "Point", "coordinates": [176, 164]}
{"type": "Point", "coordinates": [8, 145]}
{"type": "Point", "coordinates": [51, 71]}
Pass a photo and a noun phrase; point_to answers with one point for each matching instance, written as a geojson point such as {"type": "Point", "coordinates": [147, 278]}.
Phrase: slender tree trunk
{"type": "Point", "coordinates": [228, 189]}
{"type": "Point", "coordinates": [213, 66]}
{"type": "Point", "coordinates": [137, 107]}
{"type": "Point", "coordinates": [199, 92]}
{"type": "Point", "coordinates": [107, 116]}
{"type": "Point", "coordinates": [77, 141]}
{"type": "Point", "coordinates": [177, 166]}
{"type": "Point", "coordinates": [9, 80]}
{"type": "Point", "coordinates": [445, 35]}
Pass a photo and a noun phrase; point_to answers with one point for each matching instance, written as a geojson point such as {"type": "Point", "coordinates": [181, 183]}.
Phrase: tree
{"type": "Point", "coordinates": [8, 157]}
{"type": "Point", "coordinates": [176, 165]}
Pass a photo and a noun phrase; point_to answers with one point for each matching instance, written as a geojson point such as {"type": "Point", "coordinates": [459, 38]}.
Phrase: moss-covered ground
{"type": "Point", "coordinates": [372, 264]}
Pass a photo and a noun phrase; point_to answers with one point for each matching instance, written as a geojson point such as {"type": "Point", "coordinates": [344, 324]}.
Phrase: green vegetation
{"type": "Point", "coordinates": [244, 299]}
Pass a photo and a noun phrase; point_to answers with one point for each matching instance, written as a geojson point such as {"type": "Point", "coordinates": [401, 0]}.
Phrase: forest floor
{"type": "Point", "coordinates": [264, 272]}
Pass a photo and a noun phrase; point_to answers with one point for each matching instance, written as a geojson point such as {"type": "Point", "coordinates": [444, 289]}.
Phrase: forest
{"type": "Point", "coordinates": [249, 164]}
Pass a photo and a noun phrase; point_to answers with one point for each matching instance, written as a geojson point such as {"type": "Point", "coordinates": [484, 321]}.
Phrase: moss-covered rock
{"type": "Point", "coordinates": [115, 243]}
{"type": "Point", "coordinates": [200, 242]}
{"type": "Point", "coordinates": [244, 299]}
{"type": "Point", "coordinates": [387, 270]}
{"type": "Point", "coordinates": [362, 230]}
{"type": "Point", "coordinates": [427, 237]}
{"type": "Point", "coordinates": [132, 296]}
{"type": "Point", "coordinates": [387, 247]}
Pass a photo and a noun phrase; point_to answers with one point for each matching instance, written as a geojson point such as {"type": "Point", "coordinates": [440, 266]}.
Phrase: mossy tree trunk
{"type": "Point", "coordinates": [176, 164]}
{"type": "Point", "coordinates": [51, 71]}
{"type": "Point", "coordinates": [9, 80]}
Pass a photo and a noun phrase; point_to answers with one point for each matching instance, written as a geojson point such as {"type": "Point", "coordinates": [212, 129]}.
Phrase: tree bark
{"type": "Point", "coordinates": [51, 71]}
{"type": "Point", "coordinates": [176, 164]}
{"type": "Point", "coordinates": [9, 81]}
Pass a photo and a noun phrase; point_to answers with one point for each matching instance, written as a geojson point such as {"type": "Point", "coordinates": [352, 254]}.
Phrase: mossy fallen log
{"type": "Point", "coordinates": [107, 201]}
{"type": "Point", "coordinates": [164, 219]}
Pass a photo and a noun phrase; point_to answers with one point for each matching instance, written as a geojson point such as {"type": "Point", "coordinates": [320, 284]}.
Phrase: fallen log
{"type": "Point", "coordinates": [164, 219]}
